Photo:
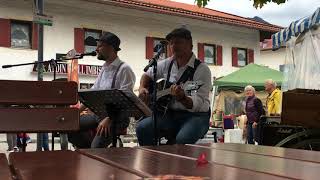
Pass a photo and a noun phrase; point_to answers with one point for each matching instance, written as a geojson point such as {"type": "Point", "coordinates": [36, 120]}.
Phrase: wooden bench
{"type": "Point", "coordinates": [4, 168]}
{"type": "Point", "coordinates": [30, 106]}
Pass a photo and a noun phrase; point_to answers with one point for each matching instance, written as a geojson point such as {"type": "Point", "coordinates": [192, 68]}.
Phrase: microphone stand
{"type": "Point", "coordinates": [153, 63]}
{"type": "Point", "coordinates": [53, 62]}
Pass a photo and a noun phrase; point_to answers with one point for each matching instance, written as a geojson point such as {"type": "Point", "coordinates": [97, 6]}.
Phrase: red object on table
{"type": "Point", "coordinates": [202, 160]}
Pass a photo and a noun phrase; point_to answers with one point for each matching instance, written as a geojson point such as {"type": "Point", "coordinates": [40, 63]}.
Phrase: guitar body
{"type": "Point", "coordinates": [163, 93]}
{"type": "Point", "coordinates": [163, 101]}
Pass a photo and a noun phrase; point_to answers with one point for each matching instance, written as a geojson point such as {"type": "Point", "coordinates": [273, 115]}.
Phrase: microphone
{"type": "Point", "coordinates": [160, 49]}
{"type": "Point", "coordinates": [7, 66]}
{"type": "Point", "coordinates": [164, 42]}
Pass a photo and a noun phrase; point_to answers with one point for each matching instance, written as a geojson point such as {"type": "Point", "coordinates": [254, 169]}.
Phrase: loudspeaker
{"type": "Point", "coordinates": [272, 134]}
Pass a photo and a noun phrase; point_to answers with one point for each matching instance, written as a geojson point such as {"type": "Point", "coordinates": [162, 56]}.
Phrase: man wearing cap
{"type": "Point", "coordinates": [115, 74]}
{"type": "Point", "coordinates": [188, 114]}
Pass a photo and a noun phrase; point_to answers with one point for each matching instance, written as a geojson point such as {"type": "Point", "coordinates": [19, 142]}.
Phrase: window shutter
{"type": "Point", "coordinates": [79, 40]}
{"type": "Point", "coordinates": [201, 52]}
{"type": "Point", "coordinates": [5, 33]}
{"type": "Point", "coordinates": [234, 57]}
{"type": "Point", "coordinates": [250, 56]}
{"type": "Point", "coordinates": [35, 29]}
{"type": "Point", "coordinates": [219, 55]}
{"type": "Point", "coordinates": [149, 48]}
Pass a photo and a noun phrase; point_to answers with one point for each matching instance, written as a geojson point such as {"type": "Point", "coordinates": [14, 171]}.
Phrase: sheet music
{"type": "Point", "coordinates": [138, 102]}
{"type": "Point", "coordinates": [123, 101]}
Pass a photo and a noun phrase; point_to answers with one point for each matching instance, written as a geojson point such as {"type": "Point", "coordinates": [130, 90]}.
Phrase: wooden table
{"type": "Point", "coordinates": [63, 165]}
{"type": "Point", "coordinates": [225, 161]}
{"type": "Point", "coordinates": [4, 168]}
{"type": "Point", "coordinates": [277, 166]}
{"type": "Point", "coordinates": [312, 156]}
{"type": "Point", "coordinates": [166, 160]}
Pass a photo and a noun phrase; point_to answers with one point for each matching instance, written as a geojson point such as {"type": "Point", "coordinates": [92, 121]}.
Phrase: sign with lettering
{"type": "Point", "coordinates": [42, 19]}
{"type": "Point", "coordinates": [62, 68]}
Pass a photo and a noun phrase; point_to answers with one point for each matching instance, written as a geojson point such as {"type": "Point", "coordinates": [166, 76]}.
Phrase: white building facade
{"type": "Point", "coordinates": [224, 44]}
{"type": "Point", "coordinates": [274, 59]}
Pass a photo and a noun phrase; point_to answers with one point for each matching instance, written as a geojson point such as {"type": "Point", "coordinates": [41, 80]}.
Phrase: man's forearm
{"type": "Point", "coordinates": [82, 108]}
{"type": "Point", "coordinates": [187, 102]}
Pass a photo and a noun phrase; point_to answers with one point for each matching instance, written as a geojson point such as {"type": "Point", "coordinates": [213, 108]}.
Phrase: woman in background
{"type": "Point", "coordinates": [254, 109]}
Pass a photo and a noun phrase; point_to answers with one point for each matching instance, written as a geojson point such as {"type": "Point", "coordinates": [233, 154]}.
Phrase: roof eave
{"type": "Point", "coordinates": [185, 13]}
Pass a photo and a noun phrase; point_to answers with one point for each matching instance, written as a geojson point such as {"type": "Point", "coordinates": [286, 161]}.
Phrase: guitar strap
{"type": "Point", "coordinates": [115, 75]}
{"type": "Point", "coordinates": [168, 84]}
{"type": "Point", "coordinates": [187, 74]}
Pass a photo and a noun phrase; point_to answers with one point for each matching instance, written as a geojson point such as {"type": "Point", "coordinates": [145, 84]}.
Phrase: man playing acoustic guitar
{"type": "Point", "coordinates": [188, 114]}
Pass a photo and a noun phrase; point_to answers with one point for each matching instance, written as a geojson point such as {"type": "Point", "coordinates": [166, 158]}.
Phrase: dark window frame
{"type": "Point", "coordinates": [29, 24]}
{"type": "Point", "coordinates": [166, 47]}
{"type": "Point", "coordinates": [90, 30]}
{"type": "Point", "coordinates": [215, 59]}
{"type": "Point", "coordinates": [246, 56]}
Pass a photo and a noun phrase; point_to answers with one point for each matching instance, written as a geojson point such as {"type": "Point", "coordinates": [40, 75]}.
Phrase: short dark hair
{"type": "Point", "coordinates": [181, 33]}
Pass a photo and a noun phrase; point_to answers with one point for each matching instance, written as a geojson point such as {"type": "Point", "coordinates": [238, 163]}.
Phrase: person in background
{"type": "Point", "coordinates": [12, 142]}
{"type": "Point", "coordinates": [274, 99]}
{"type": "Point", "coordinates": [254, 110]}
{"type": "Point", "coordinates": [45, 141]}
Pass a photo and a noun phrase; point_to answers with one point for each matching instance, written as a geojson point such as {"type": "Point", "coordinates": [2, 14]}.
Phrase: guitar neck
{"type": "Point", "coordinates": [163, 93]}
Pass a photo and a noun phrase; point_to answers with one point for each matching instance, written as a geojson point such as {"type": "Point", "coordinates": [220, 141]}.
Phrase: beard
{"type": "Point", "coordinates": [103, 57]}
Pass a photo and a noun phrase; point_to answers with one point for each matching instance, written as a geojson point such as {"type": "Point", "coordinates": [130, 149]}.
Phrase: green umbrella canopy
{"type": "Point", "coordinates": [252, 74]}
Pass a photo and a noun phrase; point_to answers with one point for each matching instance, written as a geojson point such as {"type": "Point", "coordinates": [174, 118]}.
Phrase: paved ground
{"type": "Point", "coordinates": [128, 142]}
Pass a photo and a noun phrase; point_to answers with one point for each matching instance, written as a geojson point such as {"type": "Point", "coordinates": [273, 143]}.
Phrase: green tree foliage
{"type": "Point", "coordinates": [256, 3]}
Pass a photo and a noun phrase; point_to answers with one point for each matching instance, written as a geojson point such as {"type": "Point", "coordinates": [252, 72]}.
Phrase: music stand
{"type": "Point", "coordinates": [109, 103]}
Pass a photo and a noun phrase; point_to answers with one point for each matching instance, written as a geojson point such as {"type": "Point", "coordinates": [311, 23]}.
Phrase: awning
{"type": "Point", "coordinates": [295, 29]}
{"type": "Point", "coordinates": [252, 74]}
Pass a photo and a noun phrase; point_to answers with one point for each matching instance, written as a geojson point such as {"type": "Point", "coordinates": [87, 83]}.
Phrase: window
{"type": "Point", "coordinates": [242, 57]}
{"type": "Point", "coordinates": [210, 54]}
{"type": "Point", "coordinates": [152, 47]}
{"type": "Point", "coordinates": [21, 34]}
{"type": "Point", "coordinates": [156, 47]}
{"type": "Point", "coordinates": [60, 56]}
{"type": "Point", "coordinates": [91, 34]}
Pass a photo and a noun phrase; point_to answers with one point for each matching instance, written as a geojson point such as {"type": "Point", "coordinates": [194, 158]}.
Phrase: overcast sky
{"type": "Point", "coordinates": [281, 15]}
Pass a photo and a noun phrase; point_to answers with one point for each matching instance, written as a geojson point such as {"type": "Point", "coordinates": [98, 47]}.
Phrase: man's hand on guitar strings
{"type": "Point", "coordinates": [177, 92]}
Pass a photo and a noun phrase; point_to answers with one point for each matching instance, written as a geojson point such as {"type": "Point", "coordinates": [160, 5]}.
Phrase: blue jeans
{"type": "Point", "coordinates": [45, 141]}
{"type": "Point", "coordinates": [64, 141]}
{"type": "Point", "coordinates": [83, 138]}
{"type": "Point", "coordinates": [42, 141]}
{"type": "Point", "coordinates": [188, 127]}
{"type": "Point", "coordinates": [251, 133]}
